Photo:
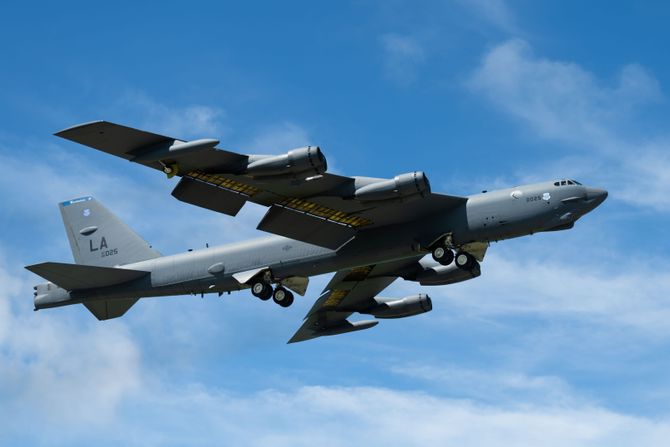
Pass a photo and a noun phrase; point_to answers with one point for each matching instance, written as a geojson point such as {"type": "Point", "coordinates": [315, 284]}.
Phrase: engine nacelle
{"type": "Point", "coordinates": [403, 185]}
{"type": "Point", "coordinates": [440, 275]}
{"type": "Point", "coordinates": [405, 307]}
{"type": "Point", "coordinates": [307, 161]}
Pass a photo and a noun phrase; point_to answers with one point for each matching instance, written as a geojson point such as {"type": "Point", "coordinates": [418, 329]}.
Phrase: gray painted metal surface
{"type": "Point", "coordinates": [370, 231]}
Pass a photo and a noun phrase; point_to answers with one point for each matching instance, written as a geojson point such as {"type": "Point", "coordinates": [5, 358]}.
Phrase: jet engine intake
{"type": "Point", "coordinates": [403, 185]}
{"type": "Point", "coordinates": [305, 160]}
{"type": "Point", "coordinates": [404, 307]}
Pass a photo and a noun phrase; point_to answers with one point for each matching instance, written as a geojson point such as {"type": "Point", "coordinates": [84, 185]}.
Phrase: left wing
{"type": "Point", "coordinates": [349, 291]}
{"type": "Point", "coordinates": [305, 202]}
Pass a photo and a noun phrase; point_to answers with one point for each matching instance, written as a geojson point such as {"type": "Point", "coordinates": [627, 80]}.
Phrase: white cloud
{"type": "Point", "coordinates": [56, 374]}
{"type": "Point", "coordinates": [402, 56]}
{"type": "Point", "coordinates": [563, 102]}
{"type": "Point", "coordinates": [340, 416]}
{"type": "Point", "coordinates": [560, 100]}
{"type": "Point", "coordinates": [279, 138]}
{"type": "Point", "coordinates": [191, 121]}
{"type": "Point", "coordinates": [493, 12]}
{"type": "Point", "coordinates": [520, 283]}
{"type": "Point", "coordinates": [84, 381]}
{"type": "Point", "coordinates": [499, 387]}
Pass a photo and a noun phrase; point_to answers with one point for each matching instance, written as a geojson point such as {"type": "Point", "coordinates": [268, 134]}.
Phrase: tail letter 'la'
{"type": "Point", "coordinates": [97, 237]}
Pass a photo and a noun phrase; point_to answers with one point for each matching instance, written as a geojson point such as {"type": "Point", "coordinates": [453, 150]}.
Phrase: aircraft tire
{"type": "Point", "coordinates": [288, 300]}
{"type": "Point", "coordinates": [282, 297]}
{"type": "Point", "coordinates": [262, 290]}
{"type": "Point", "coordinates": [443, 255]}
{"type": "Point", "coordinates": [465, 260]}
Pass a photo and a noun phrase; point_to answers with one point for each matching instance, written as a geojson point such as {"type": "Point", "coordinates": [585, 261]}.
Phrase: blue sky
{"type": "Point", "coordinates": [562, 341]}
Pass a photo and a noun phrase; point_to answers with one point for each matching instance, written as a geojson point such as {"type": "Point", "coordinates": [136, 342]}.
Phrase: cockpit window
{"type": "Point", "coordinates": [566, 182]}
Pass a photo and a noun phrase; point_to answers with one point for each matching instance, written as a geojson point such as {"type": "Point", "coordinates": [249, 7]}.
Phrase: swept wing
{"type": "Point", "coordinates": [349, 291]}
{"type": "Point", "coordinates": [319, 208]}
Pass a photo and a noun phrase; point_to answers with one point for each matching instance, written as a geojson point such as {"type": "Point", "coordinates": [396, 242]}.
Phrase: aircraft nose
{"type": "Point", "coordinates": [595, 195]}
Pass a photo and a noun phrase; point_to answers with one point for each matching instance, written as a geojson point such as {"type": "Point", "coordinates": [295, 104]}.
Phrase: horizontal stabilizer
{"type": "Point", "coordinates": [77, 276]}
{"type": "Point", "coordinates": [107, 309]}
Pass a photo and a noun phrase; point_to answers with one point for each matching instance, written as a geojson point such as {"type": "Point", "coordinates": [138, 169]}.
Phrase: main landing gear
{"type": "Point", "coordinates": [263, 290]}
{"type": "Point", "coordinates": [465, 260]}
{"type": "Point", "coordinates": [443, 254]}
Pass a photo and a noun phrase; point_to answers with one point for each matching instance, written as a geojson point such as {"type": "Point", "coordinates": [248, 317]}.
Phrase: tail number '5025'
{"type": "Point", "coordinates": [112, 252]}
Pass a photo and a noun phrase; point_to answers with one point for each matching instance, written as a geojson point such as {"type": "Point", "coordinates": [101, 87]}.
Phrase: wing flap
{"type": "Point", "coordinates": [78, 276]}
{"type": "Point", "coordinates": [306, 209]}
{"type": "Point", "coordinates": [209, 196]}
{"type": "Point", "coordinates": [305, 227]}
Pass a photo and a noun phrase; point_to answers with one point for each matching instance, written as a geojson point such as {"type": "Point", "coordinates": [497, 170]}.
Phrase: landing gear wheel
{"type": "Point", "coordinates": [282, 297]}
{"type": "Point", "coordinates": [465, 260]}
{"type": "Point", "coordinates": [262, 290]}
{"type": "Point", "coordinates": [443, 255]}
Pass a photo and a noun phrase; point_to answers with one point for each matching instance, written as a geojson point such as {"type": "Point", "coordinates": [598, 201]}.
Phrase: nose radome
{"type": "Point", "coordinates": [596, 195]}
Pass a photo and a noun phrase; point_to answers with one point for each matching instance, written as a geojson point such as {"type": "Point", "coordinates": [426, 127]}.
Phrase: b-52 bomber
{"type": "Point", "coordinates": [370, 231]}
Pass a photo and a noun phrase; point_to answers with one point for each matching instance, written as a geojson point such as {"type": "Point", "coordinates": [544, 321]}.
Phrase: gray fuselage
{"type": "Point", "coordinates": [485, 217]}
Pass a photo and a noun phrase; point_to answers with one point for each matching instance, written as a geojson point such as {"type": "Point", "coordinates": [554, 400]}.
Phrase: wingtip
{"type": "Point", "coordinates": [60, 133]}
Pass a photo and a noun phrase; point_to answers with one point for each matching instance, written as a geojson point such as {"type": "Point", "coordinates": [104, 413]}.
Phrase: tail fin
{"type": "Point", "coordinates": [97, 237]}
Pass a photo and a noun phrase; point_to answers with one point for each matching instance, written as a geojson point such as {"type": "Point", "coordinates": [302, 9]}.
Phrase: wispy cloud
{"type": "Point", "coordinates": [492, 12]}
{"type": "Point", "coordinates": [186, 121]}
{"type": "Point", "coordinates": [56, 371]}
{"type": "Point", "coordinates": [510, 388]}
{"type": "Point", "coordinates": [403, 55]}
{"type": "Point", "coordinates": [565, 103]}
{"type": "Point", "coordinates": [626, 297]}
{"type": "Point", "coordinates": [279, 138]}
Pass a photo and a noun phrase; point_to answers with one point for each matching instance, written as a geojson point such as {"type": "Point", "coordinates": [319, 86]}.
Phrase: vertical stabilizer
{"type": "Point", "coordinates": [97, 237]}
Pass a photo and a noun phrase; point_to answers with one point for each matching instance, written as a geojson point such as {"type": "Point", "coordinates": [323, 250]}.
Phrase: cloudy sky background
{"type": "Point", "coordinates": [562, 341]}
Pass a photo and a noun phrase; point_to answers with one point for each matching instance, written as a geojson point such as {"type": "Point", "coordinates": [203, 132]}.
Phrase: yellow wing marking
{"type": "Point", "coordinates": [305, 206]}
{"type": "Point", "coordinates": [335, 298]}
{"type": "Point", "coordinates": [356, 274]}
{"type": "Point", "coordinates": [324, 212]}
{"type": "Point", "coordinates": [225, 183]}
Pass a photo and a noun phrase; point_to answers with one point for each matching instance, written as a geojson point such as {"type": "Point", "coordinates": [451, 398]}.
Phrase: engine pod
{"type": "Point", "coordinates": [306, 161]}
{"type": "Point", "coordinates": [404, 307]}
{"type": "Point", "coordinates": [403, 185]}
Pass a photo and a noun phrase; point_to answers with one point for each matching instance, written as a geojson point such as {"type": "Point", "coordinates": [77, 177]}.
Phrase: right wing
{"type": "Point", "coordinates": [349, 291]}
{"type": "Point", "coordinates": [311, 206]}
